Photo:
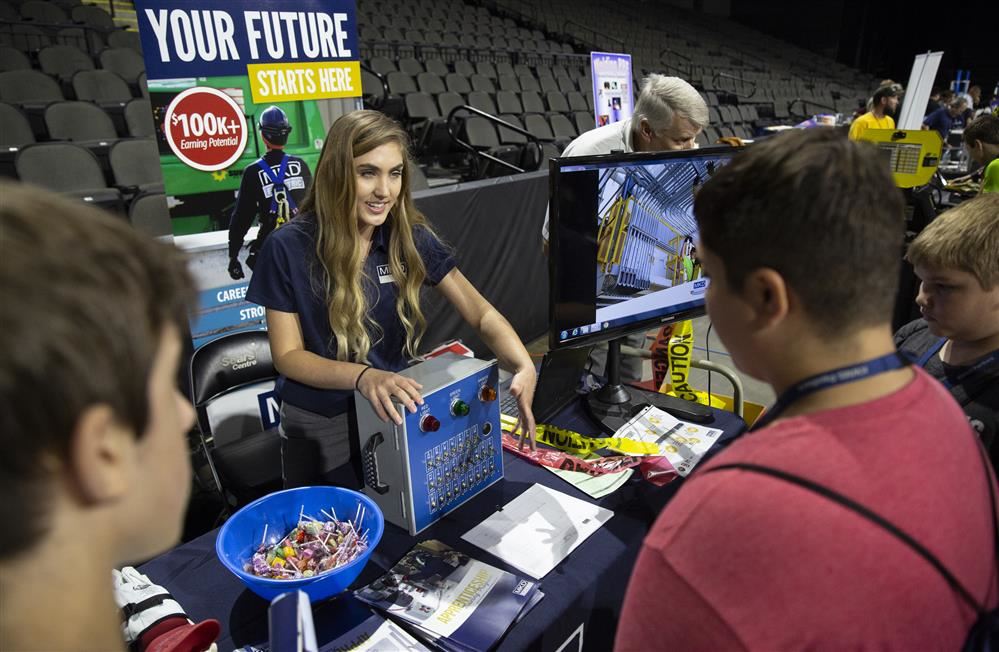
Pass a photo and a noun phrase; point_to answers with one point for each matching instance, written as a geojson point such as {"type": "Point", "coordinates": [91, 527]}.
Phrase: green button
{"type": "Point", "coordinates": [460, 409]}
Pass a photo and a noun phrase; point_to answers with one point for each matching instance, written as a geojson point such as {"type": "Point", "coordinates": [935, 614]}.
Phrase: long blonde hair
{"type": "Point", "coordinates": [333, 197]}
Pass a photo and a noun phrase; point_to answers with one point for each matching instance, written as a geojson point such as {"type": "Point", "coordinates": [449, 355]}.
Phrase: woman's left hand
{"type": "Point", "coordinates": [522, 386]}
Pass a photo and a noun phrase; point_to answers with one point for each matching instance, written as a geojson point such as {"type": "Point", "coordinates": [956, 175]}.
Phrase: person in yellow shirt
{"type": "Point", "coordinates": [885, 102]}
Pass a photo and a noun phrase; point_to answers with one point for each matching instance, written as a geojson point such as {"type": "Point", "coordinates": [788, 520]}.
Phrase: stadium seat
{"type": "Point", "coordinates": [528, 83]}
{"type": "Point", "coordinates": [125, 39]}
{"type": "Point", "coordinates": [457, 83]}
{"type": "Point", "coordinates": [482, 83]}
{"type": "Point", "coordinates": [101, 86]}
{"type": "Point", "coordinates": [25, 38]}
{"type": "Point", "coordinates": [557, 102]}
{"type": "Point", "coordinates": [508, 83]}
{"type": "Point", "coordinates": [584, 121]}
{"type": "Point", "coordinates": [400, 83]}
{"type": "Point", "coordinates": [63, 61]}
{"type": "Point", "coordinates": [93, 16]}
{"type": "Point", "coordinates": [486, 69]}
{"type": "Point", "coordinates": [448, 101]}
{"type": "Point", "coordinates": [42, 12]}
{"type": "Point", "coordinates": [81, 122]}
{"type": "Point", "coordinates": [509, 136]}
{"type": "Point", "coordinates": [548, 84]}
{"type": "Point", "coordinates": [508, 102]}
{"type": "Point", "coordinates": [532, 102]}
{"type": "Point", "coordinates": [437, 67]}
{"type": "Point", "coordinates": [410, 66]}
{"type": "Point", "coordinates": [149, 214]}
{"type": "Point", "coordinates": [576, 101]}
{"type": "Point", "coordinates": [382, 65]}
{"type": "Point", "coordinates": [124, 62]}
{"type": "Point", "coordinates": [482, 101]}
{"type": "Point", "coordinates": [28, 87]}
{"type": "Point", "coordinates": [87, 39]}
{"type": "Point", "coordinates": [429, 82]}
{"type": "Point", "coordinates": [562, 129]}
{"type": "Point", "coordinates": [139, 119]}
{"type": "Point", "coordinates": [13, 59]}
{"type": "Point", "coordinates": [15, 134]}
{"type": "Point", "coordinates": [481, 135]}
{"type": "Point", "coordinates": [135, 165]}
{"type": "Point", "coordinates": [566, 85]}
{"type": "Point", "coordinates": [69, 169]}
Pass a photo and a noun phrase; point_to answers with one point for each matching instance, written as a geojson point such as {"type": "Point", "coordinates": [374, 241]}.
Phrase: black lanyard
{"type": "Point", "coordinates": [947, 381]}
{"type": "Point", "coordinates": [833, 378]}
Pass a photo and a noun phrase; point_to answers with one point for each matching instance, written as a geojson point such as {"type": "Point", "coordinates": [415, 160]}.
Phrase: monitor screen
{"type": "Point", "coordinates": [622, 245]}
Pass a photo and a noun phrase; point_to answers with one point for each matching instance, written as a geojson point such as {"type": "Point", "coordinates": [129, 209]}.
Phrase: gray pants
{"type": "Point", "coordinates": [311, 445]}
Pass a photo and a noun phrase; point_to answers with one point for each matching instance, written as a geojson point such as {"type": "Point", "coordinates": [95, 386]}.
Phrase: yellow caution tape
{"type": "Point", "coordinates": [577, 444]}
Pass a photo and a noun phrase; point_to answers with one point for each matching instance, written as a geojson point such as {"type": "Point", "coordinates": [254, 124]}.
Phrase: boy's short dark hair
{"type": "Point", "coordinates": [883, 92]}
{"type": "Point", "coordinates": [86, 299]}
{"type": "Point", "coordinates": [821, 210]}
{"type": "Point", "coordinates": [984, 128]}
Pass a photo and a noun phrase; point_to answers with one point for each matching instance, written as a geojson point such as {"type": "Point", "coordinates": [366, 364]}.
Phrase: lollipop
{"type": "Point", "coordinates": [313, 547]}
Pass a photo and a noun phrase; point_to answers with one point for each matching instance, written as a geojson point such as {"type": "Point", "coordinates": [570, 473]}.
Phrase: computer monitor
{"type": "Point", "coordinates": [622, 256]}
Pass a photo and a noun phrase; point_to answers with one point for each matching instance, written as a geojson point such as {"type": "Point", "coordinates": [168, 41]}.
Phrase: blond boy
{"type": "Point", "coordinates": [957, 339]}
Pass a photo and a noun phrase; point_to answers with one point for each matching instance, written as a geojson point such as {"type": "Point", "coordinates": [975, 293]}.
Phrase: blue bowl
{"type": "Point", "coordinates": [242, 533]}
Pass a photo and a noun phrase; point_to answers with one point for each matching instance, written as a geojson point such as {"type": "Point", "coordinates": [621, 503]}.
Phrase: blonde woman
{"type": "Point", "coordinates": [341, 284]}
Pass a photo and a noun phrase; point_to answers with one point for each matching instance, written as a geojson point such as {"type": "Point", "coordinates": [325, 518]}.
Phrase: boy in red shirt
{"type": "Point", "coordinates": [801, 236]}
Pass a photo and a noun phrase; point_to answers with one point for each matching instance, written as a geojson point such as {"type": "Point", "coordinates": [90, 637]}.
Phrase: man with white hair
{"type": "Point", "coordinates": [669, 115]}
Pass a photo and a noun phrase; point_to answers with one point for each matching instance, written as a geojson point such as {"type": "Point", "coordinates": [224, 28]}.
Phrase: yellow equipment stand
{"type": "Point", "coordinates": [912, 154]}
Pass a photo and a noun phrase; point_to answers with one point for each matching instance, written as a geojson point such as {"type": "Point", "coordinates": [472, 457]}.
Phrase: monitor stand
{"type": "Point", "coordinates": [613, 405]}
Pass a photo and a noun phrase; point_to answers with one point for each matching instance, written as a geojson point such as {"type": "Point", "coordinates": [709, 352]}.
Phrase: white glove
{"type": "Point", "coordinates": [142, 603]}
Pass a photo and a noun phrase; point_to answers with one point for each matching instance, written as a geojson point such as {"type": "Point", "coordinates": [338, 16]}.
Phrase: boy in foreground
{"type": "Point", "coordinates": [741, 560]}
{"type": "Point", "coordinates": [95, 469]}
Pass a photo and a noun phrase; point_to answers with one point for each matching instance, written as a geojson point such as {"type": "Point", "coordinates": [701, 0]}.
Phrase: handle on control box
{"type": "Point", "coordinates": [370, 464]}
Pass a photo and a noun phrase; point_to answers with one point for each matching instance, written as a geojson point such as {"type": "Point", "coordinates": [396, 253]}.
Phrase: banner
{"type": "Point", "coordinates": [242, 94]}
{"type": "Point", "coordinates": [612, 87]}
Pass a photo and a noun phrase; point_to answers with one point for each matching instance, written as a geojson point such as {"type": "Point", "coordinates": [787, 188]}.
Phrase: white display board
{"type": "Point", "coordinates": [917, 92]}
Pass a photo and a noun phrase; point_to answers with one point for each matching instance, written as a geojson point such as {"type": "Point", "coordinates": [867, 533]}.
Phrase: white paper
{"type": "Point", "coordinates": [536, 530]}
{"type": "Point", "coordinates": [594, 486]}
{"type": "Point", "coordinates": [681, 442]}
{"type": "Point", "coordinates": [389, 637]}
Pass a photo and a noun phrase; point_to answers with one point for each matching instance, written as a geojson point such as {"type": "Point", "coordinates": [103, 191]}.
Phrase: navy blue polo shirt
{"type": "Point", "coordinates": [942, 121]}
{"type": "Point", "coordinates": [289, 278]}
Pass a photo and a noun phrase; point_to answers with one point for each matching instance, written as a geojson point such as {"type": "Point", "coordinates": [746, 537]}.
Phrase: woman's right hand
{"type": "Point", "coordinates": [380, 386]}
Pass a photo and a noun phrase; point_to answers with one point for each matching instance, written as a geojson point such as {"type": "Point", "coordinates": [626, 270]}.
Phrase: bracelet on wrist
{"type": "Point", "coordinates": [357, 382]}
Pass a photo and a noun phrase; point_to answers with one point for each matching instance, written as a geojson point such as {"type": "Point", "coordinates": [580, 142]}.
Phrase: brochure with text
{"type": "Point", "coordinates": [456, 601]}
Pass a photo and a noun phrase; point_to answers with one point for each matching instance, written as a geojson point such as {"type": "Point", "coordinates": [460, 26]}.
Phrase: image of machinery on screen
{"type": "Point", "coordinates": [646, 234]}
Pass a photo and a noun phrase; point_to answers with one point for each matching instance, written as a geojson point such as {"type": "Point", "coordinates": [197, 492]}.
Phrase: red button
{"type": "Point", "coordinates": [430, 424]}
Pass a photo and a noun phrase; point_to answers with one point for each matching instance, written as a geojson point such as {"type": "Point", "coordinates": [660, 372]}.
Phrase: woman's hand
{"type": "Point", "coordinates": [380, 386]}
{"type": "Point", "coordinates": [522, 386]}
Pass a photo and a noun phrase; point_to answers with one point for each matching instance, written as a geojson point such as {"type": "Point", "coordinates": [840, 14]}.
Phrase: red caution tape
{"type": "Point", "coordinates": [655, 468]}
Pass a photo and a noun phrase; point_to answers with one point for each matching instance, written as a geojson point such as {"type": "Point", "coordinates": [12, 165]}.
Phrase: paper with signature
{"type": "Point", "coordinates": [536, 530]}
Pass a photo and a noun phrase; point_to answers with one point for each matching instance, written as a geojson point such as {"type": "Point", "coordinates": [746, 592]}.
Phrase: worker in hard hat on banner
{"type": "Point", "coordinates": [271, 190]}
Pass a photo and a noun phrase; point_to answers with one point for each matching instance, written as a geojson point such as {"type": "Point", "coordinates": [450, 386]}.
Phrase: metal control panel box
{"type": "Point", "coordinates": [445, 453]}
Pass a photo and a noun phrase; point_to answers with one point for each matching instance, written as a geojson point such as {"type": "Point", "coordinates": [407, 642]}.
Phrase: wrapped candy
{"type": "Point", "coordinates": [313, 547]}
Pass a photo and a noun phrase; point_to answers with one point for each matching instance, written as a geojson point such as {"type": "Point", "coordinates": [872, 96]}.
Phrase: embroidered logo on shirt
{"type": "Point", "coordinates": [385, 273]}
